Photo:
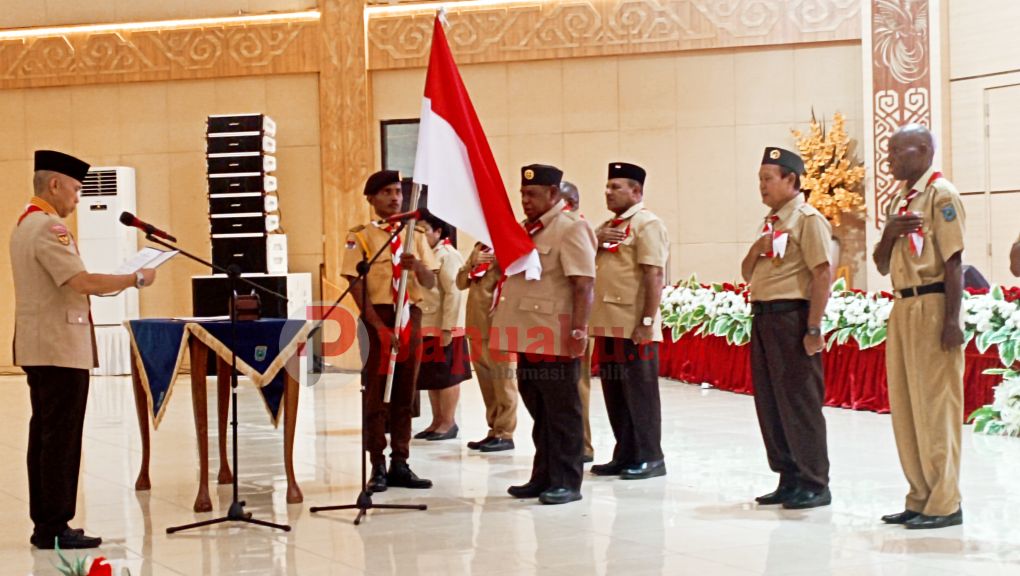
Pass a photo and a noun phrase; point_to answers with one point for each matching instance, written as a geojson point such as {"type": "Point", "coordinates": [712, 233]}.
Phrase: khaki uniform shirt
{"type": "Point", "coordinates": [440, 305]}
{"type": "Point", "coordinates": [942, 211]}
{"type": "Point", "coordinates": [364, 242]}
{"type": "Point", "coordinates": [808, 245]}
{"type": "Point", "coordinates": [619, 280]}
{"type": "Point", "coordinates": [52, 326]}
{"type": "Point", "coordinates": [478, 317]}
{"type": "Point", "coordinates": [536, 316]}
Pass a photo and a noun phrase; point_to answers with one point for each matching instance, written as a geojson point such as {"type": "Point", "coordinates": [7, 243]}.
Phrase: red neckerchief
{"type": "Point", "coordinates": [532, 229]}
{"type": "Point", "coordinates": [770, 228]}
{"type": "Point", "coordinates": [479, 270]}
{"type": "Point", "coordinates": [613, 247]}
{"type": "Point", "coordinates": [917, 236]}
{"type": "Point", "coordinates": [37, 204]}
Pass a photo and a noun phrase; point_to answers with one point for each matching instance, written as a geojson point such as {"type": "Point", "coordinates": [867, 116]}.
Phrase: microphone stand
{"type": "Point", "coordinates": [364, 501]}
{"type": "Point", "coordinates": [236, 511]}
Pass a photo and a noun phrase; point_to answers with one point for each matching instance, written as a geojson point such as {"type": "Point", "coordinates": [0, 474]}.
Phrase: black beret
{"type": "Point", "coordinates": [63, 163]}
{"type": "Point", "coordinates": [541, 175]}
{"type": "Point", "coordinates": [380, 180]}
{"type": "Point", "coordinates": [630, 171]}
{"type": "Point", "coordinates": [784, 158]}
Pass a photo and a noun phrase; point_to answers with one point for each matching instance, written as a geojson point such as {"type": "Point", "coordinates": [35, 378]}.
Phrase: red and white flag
{"type": "Point", "coordinates": [454, 160]}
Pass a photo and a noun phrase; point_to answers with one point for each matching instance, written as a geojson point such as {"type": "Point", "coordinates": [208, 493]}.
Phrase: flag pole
{"type": "Point", "coordinates": [401, 291]}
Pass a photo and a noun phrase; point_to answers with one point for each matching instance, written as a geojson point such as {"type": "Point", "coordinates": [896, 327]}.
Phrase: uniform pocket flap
{"type": "Point", "coordinates": [545, 250]}
{"type": "Point", "coordinates": [618, 298]}
{"type": "Point", "coordinates": [77, 316]}
{"type": "Point", "coordinates": [537, 305]}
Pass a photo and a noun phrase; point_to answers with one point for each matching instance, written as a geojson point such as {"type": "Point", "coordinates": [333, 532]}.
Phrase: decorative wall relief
{"type": "Point", "coordinates": [164, 54]}
{"type": "Point", "coordinates": [533, 30]}
{"type": "Point", "coordinates": [901, 49]}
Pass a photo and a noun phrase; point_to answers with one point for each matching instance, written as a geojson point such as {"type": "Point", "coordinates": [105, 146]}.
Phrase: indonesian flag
{"type": "Point", "coordinates": [454, 160]}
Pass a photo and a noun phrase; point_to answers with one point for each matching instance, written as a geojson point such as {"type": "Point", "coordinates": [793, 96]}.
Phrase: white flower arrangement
{"type": "Point", "coordinates": [989, 319]}
{"type": "Point", "coordinates": [1002, 416]}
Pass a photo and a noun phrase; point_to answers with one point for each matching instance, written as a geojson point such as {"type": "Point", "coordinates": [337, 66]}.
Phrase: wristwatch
{"type": "Point", "coordinates": [647, 321]}
{"type": "Point", "coordinates": [814, 331]}
{"type": "Point", "coordinates": [139, 279]}
{"type": "Point", "coordinates": [579, 333]}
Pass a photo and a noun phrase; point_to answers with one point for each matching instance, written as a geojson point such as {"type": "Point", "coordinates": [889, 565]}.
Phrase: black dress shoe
{"type": "Point", "coordinates": [448, 435]}
{"type": "Point", "coordinates": [611, 468]}
{"type": "Point", "coordinates": [497, 445]}
{"type": "Point", "coordinates": [423, 435]}
{"type": "Point", "coordinates": [476, 444]}
{"type": "Point", "coordinates": [401, 476]}
{"type": "Point", "coordinates": [780, 495]}
{"type": "Point", "coordinates": [528, 490]}
{"type": "Point", "coordinates": [377, 481]}
{"type": "Point", "coordinates": [587, 459]}
{"type": "Point", "coordinates": [804, 499]}
{"type": "Point", "coordinates": [644, 470]}
{"type": "Point", "coordinates": [925, 522]}
{"type": "Point", "coordinates": [900, 517]}
{"type": "Point", "coordinates": [559, 496]}
{"type": "Point", "coordinates": [68, 539]}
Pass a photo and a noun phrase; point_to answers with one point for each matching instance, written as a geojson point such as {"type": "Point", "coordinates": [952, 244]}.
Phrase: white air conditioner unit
{"type": "Point", "coordinates": [103, 241]}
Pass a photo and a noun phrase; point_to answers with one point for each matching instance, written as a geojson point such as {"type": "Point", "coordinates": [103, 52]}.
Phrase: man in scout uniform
{"type": "Point", "coordinates": [546, 323]}
{"type": "Point", "coordinates": [625, 320]}
{"type": "Point", "coordinates": [444, 366]}
{"type": "Point", "coordinates": [496, 375]}
{"type": "Point", "coordinates": [788, 268]}
{"type": "Point", "coordinates": [572, 196]}
{"type": "Point", "coordinates": [383, 192]}
{"type": "Point", "coordinates": [921, 249]}
{"type": "Point", "coordinates": [54, 343]}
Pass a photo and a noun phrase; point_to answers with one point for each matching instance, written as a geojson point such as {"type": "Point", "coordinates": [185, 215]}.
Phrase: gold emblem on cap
{"type": "Point", "coordinates": [529, 174]}
{"type": "Point", "coordinates": [775, 154]}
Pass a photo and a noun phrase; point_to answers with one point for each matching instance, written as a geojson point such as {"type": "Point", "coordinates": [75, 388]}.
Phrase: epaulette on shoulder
{"type": "Point", "coordinates": [357, 229]}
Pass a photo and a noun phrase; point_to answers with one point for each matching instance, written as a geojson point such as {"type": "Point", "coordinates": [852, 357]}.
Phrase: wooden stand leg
{"type": "Point", "coordinates": [290, 408]}
{"type": "Point", "coordinates": [199, 356]}
{"type": "Point", "coordinates": [142, 409]}
{"type": "Point", "coordinates": [222, 407]}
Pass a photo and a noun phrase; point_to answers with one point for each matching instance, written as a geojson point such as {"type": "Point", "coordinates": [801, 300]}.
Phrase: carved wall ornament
{"type": "Point", "coordinates": [160, 54]}
{"type": "Point", "coordinates": [533, 30]}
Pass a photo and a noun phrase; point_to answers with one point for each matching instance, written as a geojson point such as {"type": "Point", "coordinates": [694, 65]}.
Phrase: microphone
{"type": "Point", "coordinates": [401, 216]}
{"type": "Point", "coordinates": [129, 219]}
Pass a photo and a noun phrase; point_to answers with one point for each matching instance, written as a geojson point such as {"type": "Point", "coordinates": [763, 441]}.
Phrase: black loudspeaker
{"type": "Point", "coordinates": [210, 295]}
{"type": "Point", "coordinates": [247, 252]}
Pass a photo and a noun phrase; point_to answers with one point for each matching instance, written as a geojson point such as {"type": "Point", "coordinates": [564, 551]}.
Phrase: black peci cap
{"type": "Point", "coordinates": [541, 175]}
{"type": "Point", "coordinates": [63, 163]}
{"type": "Point", "coordinates": [629, 171]}
{"type": "Point", "coordinates": [784, 158]}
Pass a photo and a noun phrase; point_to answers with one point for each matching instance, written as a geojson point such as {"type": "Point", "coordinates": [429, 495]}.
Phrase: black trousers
{"type": "Point", "coordinates": [58, 397]}
{"type": "Point", "coordinates": [548, 387]}
{"type": "Point", "coordinates": [395, 416]}
{"type": "Point", "coordinates": [630, 385]}
{"type": "Point", "coordinates": [789, 390]}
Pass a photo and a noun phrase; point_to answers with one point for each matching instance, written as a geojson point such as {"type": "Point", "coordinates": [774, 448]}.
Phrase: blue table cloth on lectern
{"type": "Point", "coordinates": [263, 349]}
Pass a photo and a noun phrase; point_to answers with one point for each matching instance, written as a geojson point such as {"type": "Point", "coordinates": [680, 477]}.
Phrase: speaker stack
{"type": "Point", "coordinates": [243, 206]}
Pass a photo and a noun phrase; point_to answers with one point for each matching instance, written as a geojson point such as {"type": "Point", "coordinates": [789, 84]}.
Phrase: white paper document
{"type": "Point", "coordinates": [147, 257]}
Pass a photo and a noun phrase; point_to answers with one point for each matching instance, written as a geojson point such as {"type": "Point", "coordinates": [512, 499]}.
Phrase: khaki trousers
{"type": "Point", "coordinates": [584, 391]}
{"type": "Point", "coordinates": [926, 400]}
{"type": "Point", "coordinates": [498, 384]}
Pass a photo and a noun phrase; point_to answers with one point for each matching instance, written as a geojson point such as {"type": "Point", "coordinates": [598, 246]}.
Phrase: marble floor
{"type": "Point", "coordinates": [695, 521]}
